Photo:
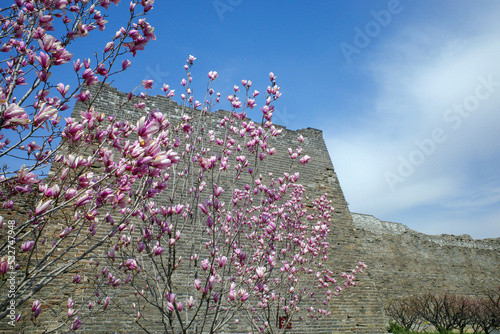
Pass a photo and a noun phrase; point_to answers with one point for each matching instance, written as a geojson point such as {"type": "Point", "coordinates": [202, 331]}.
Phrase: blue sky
{"type": "Point", "coordinates": [407, 93]}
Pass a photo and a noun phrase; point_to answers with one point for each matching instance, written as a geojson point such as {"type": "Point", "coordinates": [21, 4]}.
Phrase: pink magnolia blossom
{"type": "Point", "coordinates": [70, 193]}
{"type": "Point", "coordinates": [102, 70]}
{"type": "Point", "coordinates": [45, 113]}
{"type": "Point", "coordinates": [211, 282]}
{"type": "Point", "coordinates": [14, 115]}
{"type": "Point", "coordinates": [25, 177]}
{"type": "Point", "coordinates": [162, 161]}
{"type": "Point", "coordinates": [109, 46]}
{"type": "Point", "coordinates": [32, 147]}
{"type": "Point", "coordinates": [165, 160]}
{"type": "Point", "coordinates": [27, 245]}
{"type": "Point", "coordinates": [43, 60]}
{"type": "Point", "coordinates": [203, 208]}
{"type": "Point", "coordinates": [212, 75]}
{"type": "Point", "coordinates": [158, 250]}
{"type": "Point", "coordinates": [77, 65]}
{"type": "Point", "coordinates": [36, 308]}
{"type": "Point", "coordinates": [36, 305]}
{"type": "Point", "coordinates": [197, 284]}
{"type": "Point", "coordinates": [106, 302]}
{"type": "Point", "coordinates": [147, 84]}
{"type": "Point", "coordinates": [141, 247]}
{"type": "Point", "coordinates": [218, 191]}
{"type": "Point", "coordinates": [82, 96]}
{"type": "Point", "coordinates": [205, 264]}
{"type": "Point", "coordinates": [42, 207]}
{"type": "Point", "coordinates": [61, 56]}
{"type": "Point", "coordinates": [251, 103]}
{"type": "Point", "coordinates": [89, 77]}
{"type": "Point", "coordinates": [147, 4]}
{"type": "Point", "coordinates": [131, 264]}
{"type": "Point", "coordinates": [65, 232]}
{"type": "Point", "coordinates": [260, 271]}
{"type": "Point", "coordinates": [244, 295]}
{"type": "Point", "coordinates": [76, 324]}
{"type": "Point", "coordinates": [190, 302]}
{"type": "Point", "coordinates": [305, 159]}
{"type": "Point", "coordinates": [147, 127]}
{"type": "Point", "coordinates": [231, 295]}
{"type": "Point", "coordinates": [222, 261]}
{"type": "Point", "coordinates": [84, 199]}
{"type": "Point", "coordinates": [126, 63]}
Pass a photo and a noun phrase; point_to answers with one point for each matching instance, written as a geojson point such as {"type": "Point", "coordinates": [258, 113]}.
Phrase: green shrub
{"type": "Point", "coordinates": [396, 329]}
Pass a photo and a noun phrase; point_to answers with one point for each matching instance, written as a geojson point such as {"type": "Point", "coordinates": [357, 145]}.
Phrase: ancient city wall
{"type": "Point", "coordinates": [405, 262]}
{"type": "Point", "coordinates": [356, 311]}
{"type": "Point", "coordinates": [400, 261]}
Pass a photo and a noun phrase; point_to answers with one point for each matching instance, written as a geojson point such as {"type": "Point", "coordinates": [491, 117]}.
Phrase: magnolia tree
{"type": "Point", "coordinates": [173, 222]}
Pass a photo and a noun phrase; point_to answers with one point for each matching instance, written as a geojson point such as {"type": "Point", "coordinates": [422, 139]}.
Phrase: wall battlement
{"type": "Point", "coordinates": [405, 262]}
{"type": "Point", "coordinates": [376, 226]}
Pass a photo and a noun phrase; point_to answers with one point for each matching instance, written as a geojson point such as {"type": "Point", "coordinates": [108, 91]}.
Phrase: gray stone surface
{"type": "Point", "coordinates": [405, 262]}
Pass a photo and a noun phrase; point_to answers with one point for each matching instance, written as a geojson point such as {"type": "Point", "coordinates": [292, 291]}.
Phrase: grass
{"type": "Point", "coordinates": [396, 329]}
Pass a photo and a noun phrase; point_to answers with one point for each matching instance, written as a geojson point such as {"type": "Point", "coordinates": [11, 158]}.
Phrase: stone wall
{"type": "Point", "coordinates": [356, 311]}
{"type": "Point", "coordinates": [404, 262]}
{"type": "Point", "coordinates": [400, 261]}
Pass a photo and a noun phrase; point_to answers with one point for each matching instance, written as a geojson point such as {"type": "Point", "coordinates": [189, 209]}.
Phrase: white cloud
{"type": "Point", "coordinates": [420, 74]}
{"type": "Point", "coordinates": [482, 196]}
